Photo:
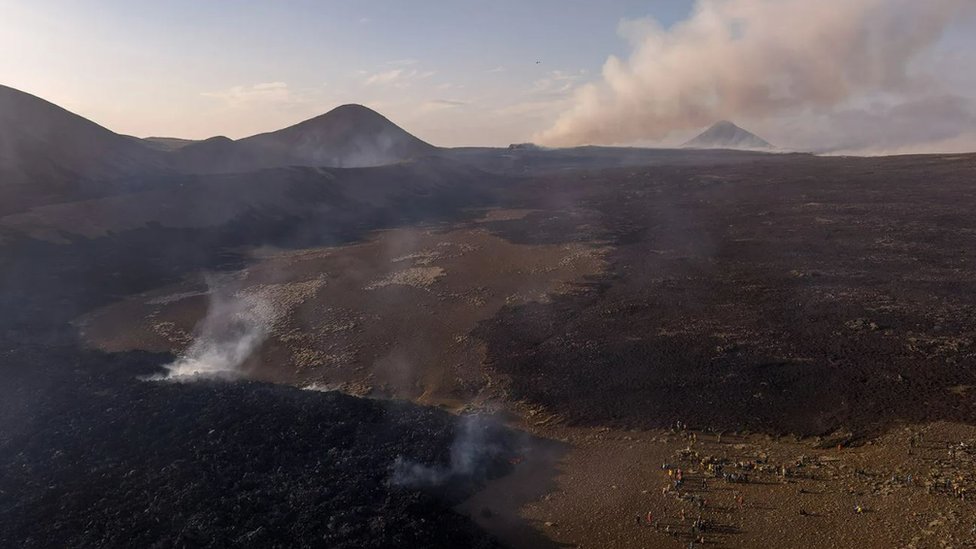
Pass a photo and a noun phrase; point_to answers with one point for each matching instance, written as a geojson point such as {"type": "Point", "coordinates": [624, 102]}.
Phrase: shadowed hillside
{"type": "Point", "coordinates": [48, 154]}
{"type": "Point", "coordinates": [349, 136]}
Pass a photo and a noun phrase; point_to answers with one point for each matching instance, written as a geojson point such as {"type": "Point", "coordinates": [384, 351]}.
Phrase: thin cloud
{"type": "Point", "coordinates": [397, 77]}
{"type": "Point", "coordinates": [449, 102]}
{"type": "Point", "coordinates": [265, 92]}
{"type": "Point", "coordinates": [385, 77]}
{"type": "Point", "coordinates": [442, 105]}
{"type": "Point", "coordinates": [557, 83]}
{"type": "Point", "coordinates": [403, 62]}
{"type": "Point", "coordinates": [449, 86]}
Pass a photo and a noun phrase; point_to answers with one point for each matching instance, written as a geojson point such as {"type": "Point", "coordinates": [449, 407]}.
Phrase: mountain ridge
{"type": "Point", "coordinates": [348, 136]}
{"type": "Point", "coordinates": [49, 154]}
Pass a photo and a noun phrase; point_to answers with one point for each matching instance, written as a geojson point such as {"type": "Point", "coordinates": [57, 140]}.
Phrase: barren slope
{"type": "Point", "coordinates": [49, 154]}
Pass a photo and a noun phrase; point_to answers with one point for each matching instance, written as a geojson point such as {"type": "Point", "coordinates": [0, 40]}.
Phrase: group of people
{"type": "Point", "coordinates": [696, 530]}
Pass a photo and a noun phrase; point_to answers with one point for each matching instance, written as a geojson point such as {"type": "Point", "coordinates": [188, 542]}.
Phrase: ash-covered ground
{"type": "Point", "coordinates": [813, 314]}
{"type": "Point", "coordinates": [93, 455]}
{"type": "Point", "coordinates": [795, 295]}
{"type": "Point", "coordinates": [98, 458]}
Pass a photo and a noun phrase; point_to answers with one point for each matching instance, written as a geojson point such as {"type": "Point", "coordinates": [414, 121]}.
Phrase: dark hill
{"type": "Point", "coordinates": [218, 155]}
{"type": "Point", "coordinates": [350, 136]}
{"type": "Point", "coordinates": [726, 135]}
{"type": "Point", "coordinates": [49, 154]}
{"type": "Point", "coordinates": [166, 143]}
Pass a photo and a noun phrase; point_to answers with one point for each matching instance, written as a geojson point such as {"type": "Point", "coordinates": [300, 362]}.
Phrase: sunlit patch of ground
{"type": "Point", "coordinates": [417, 277]}
{"type": "Point", "coordinates": [392, 316]}
{"type": "Point", "coordinates": [915, 486]}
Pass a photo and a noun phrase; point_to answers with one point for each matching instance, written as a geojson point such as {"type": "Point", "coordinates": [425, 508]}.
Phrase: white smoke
{"type": "Point", "coordinates": [471, 451]}
{"type": "Point", "coordinates": [235, 326]}
{"type": "Point", "coordinates": [756, 59]}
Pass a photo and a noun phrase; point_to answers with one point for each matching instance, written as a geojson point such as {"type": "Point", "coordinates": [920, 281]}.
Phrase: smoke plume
{"type": "Point", "coordinates": [235, 325]}
{"type": "Point", "coordinates": [755, 59]}
{"type": "Point", "coordinates": [472, 451]}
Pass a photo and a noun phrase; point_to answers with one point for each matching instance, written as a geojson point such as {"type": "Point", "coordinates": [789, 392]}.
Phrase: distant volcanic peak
{"type": "Point", "coordinates": [345, 118]}
{"type": "Point", "coordinates": [210, 145]}
{"type": "Point", "coordinates": [354, 109]}
{"type": "Point", "coordinates": [217, 142]}
{"type": "Point", "coordinates": [347, 136]}
{"type": "Point", "coordinates": [725, 126]}
{"type": "Point", "coordinates": [726, 135]}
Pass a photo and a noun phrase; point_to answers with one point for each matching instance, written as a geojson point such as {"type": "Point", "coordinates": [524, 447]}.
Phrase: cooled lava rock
{"type": "Point", "coordinates": [90, 456]}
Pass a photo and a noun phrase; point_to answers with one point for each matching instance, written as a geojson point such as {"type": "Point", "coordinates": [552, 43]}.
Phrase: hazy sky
{"type": "Point", "coordinates": [454, 72]}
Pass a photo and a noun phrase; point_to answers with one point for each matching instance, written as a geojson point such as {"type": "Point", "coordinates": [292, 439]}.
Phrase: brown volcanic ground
{"type": "Point", "coordinates": [833, 299]}
{"type": "Point", "coordinates": [752, 297]}
{"type": "Point", "coordinates": [392, 316]}
{"type": "Point", "coordinates": [732, 298]}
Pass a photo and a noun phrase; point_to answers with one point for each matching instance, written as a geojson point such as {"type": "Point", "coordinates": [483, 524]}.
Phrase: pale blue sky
{"type": "Point", "coordinates": [188, 67]}
{"type": "Point", "coordinates": [464, 72]}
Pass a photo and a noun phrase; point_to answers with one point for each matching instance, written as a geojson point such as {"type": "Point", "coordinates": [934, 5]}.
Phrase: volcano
{"type": "Point", "coordinates": [347, 136]}
{"type": "Point", "coordinates": [350, 136]}
{"type": "Point", "coordinates": [726, 135]}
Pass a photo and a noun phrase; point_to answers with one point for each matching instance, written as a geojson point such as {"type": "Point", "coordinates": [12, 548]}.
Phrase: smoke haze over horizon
{"type": "Point", "coordinates": [867, 76]}
{"type": "Point", "coordinates": [832, 75]}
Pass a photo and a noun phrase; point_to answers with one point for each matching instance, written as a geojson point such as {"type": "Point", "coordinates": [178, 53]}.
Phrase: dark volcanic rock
{"type": "Point", "coordinates": [96, 458]}
{"type": "Point", "coordinates": [755, 297]}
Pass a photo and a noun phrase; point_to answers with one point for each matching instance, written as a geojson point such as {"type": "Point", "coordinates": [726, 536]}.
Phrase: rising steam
{"type": "Point", "coordinates": [753, 59]}
{"type": "Point", "coordinates": [235, 325]}
{"type": "Point", "coordinates": [472, 451]}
